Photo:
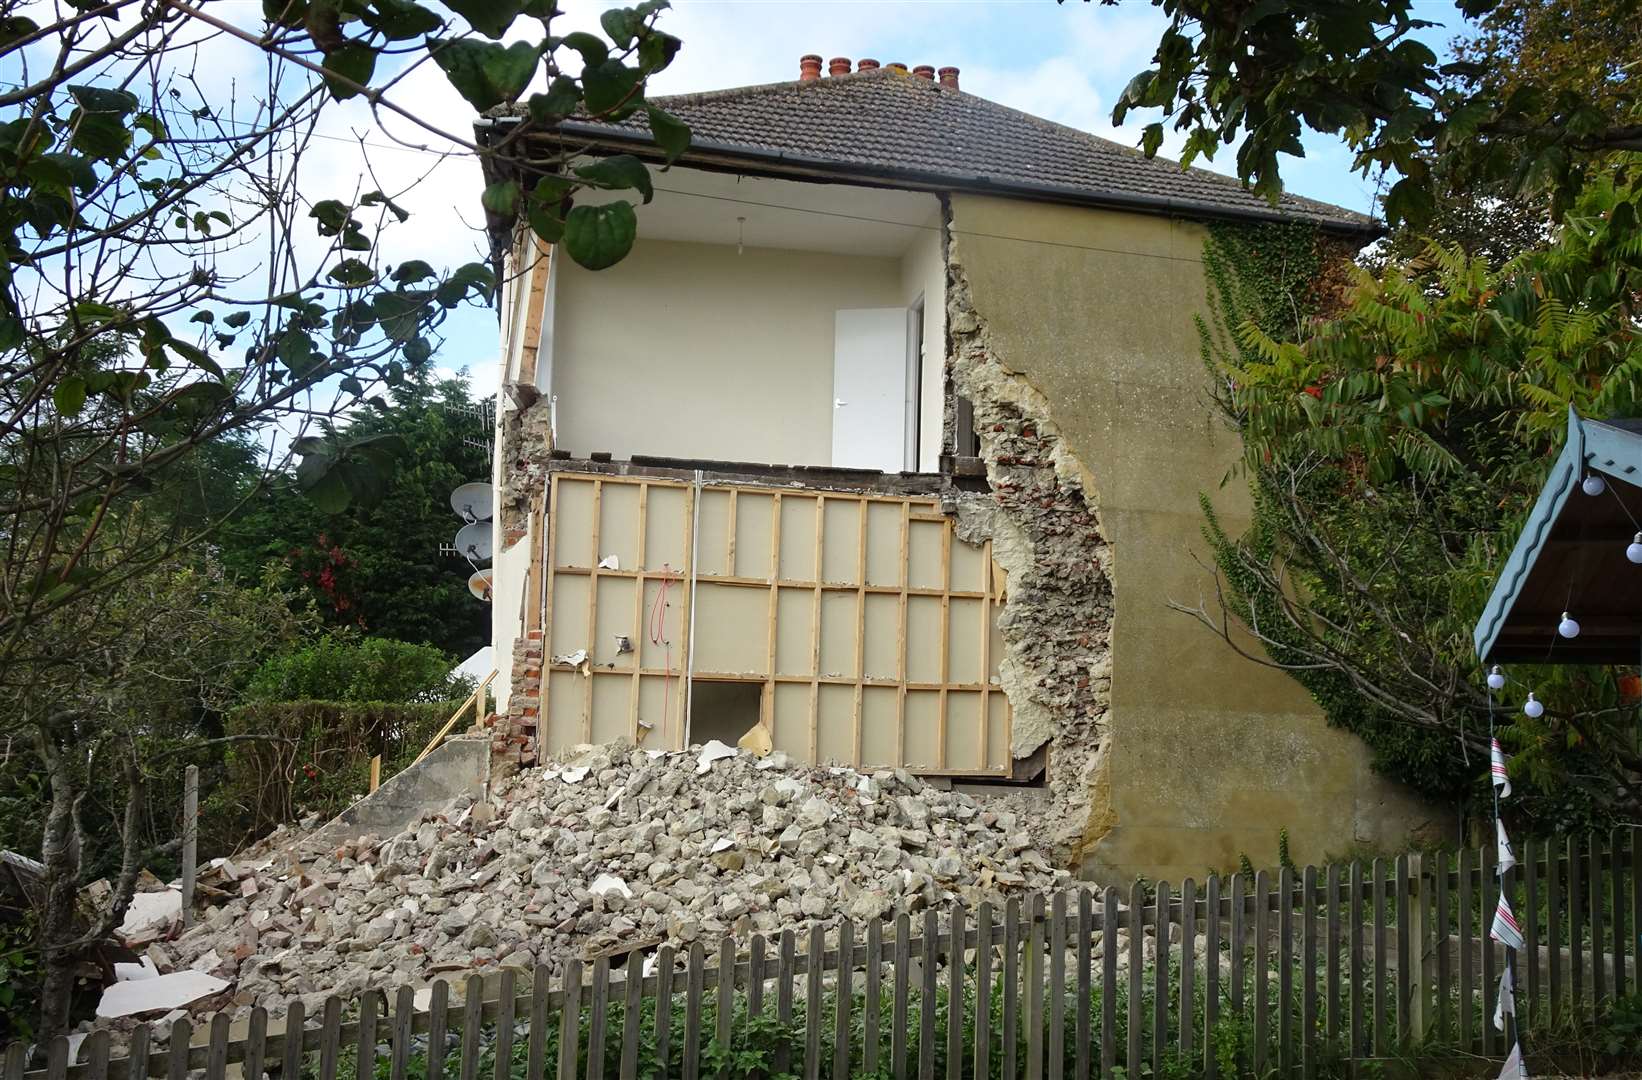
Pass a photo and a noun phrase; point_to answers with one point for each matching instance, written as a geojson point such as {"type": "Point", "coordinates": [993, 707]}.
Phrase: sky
{"type": "Point", "coordinates": [1064, 62]}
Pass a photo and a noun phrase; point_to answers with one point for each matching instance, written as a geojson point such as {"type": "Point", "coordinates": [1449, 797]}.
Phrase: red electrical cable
{"type": "Point", "coordinates": [658, 636]}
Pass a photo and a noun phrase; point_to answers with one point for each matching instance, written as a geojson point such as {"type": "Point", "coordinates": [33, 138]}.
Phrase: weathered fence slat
{"type": "Point", "coordinates": [1188, 965]}
{"type": "Point", "coordinates": [1359, 1033]}
{"type": "Point", "coordinates": [928, 981]}
{"type": "Point", "coordinates": [507, 1007]}
{"type": "Point", "coordinates": [1239, 884]}
{"type": "Point", "coordinates": [137, 1050]}
{"type": "Point", "coordinates": [597, 1017]}
{"type": "Point", "coordinates": [1160, 979]}
{"type": "Point", "coordinates": [472, 1021]}
{"type": "Point", "coordinates": [1380, 980]}
{"type": "Point", "coordinates": [330, 1045]}
{"type": "Point", "coordinates": [404, 1012]}
{"type": "Point", "coordinates": [1467, 915]}
{"type": "Point", "coordinates": [1636, 904]}
{"type": "Point", "coordinates": [256, 1037]}
{"type": "Point", "coordinates": [814, 948]}
{"type": "Point", "coordinates": [1108, 982]}
{"type": "Point", "coordinates": [724, 1025]}
{"type": "Point", "coordinates": [1137, 936]}
{"type": "Point", "coordinates": [1211, 972]}
{"type": "Point", "coordinates": [632, 1013]}
{"type": "Point", "coordinates": [1011, 987]}
{"type": "Point", "coordinates": [1331, 965]}
{"type": "Point", "coordinates": [898, 1029]}
{"type": "Point", "coordinates": [1576, 930]}
{"type": "Point", "coordinates": [1616, 901]}
{"type": "Point", "coordinates": [1407, 959]}
{"type": "Point", "coordinates": [1081, 1047]}
{"type": "Point", "coordinates": [1599, 978]}
{"type": "Point", "coordinates": [870, 1006]}
{"type": "Point", "coordinates": [1528, 960]}
{"type": "Point", "coordinates": [665, 962]}
{"type": "Point", "coordinates": [364, 1040]}
{"type": "Point", "coordinates": [182, 1033]}
{"type": "Point", "coordinates": [842, 1001]}
{"type": "Point", "coordinates": [958, 926]}
{"type": "Point", "coordinates": [1308, 972]}
{"type": "Point", "coordinates": [96, 1051]}
{"type": "Point", "coordinates": [1262, 967]}
{"type": "Point", "coordinates": [1057, 988]}
{"type": "Point", "coordinates": [1488, 889]}
{"type": "Point", "coordinates": [1285, 969]}
{"type": "Point", "coordinates": [1440, 934]}
{"type": "Point", "coordinates": [16, 1061]}
{"type": "Point", "coordinates": [216, 1060]}
{"type": "Point", "coordinates": [982, 1053]}
{"type": "Point", "coordinates": [695, 988]}
{"type": "Point", "coordinates": [1553, 931]}
{"type": "Point", "coordinates": [570, 1019]}
{"type": "Point", "coordinates": [536, 1045]}
{"type": "Point", "coordinates": [1033, 974]}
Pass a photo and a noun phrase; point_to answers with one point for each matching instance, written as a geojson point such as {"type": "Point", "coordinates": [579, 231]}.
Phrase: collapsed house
{"type": "Point", "coordinates": [884, 447]}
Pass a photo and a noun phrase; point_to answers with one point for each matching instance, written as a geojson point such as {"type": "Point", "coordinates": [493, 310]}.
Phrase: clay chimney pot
{"type": "Point", "coordinates": [838, 65]}
{"type": "Point", "coordinates": [949, 77]}
{"type": "Point", "coordinates": [867, 65]}
{"type": "Point", "coordinates": [897, 66]}
{"type": "Point", "coordinates": [924, 71]}
{"type": "Point", "coordinates": [809, 68]}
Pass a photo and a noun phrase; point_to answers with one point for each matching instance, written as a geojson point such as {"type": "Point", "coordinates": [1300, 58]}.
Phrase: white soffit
{"type": "Point", "coordinates": [702, 207]}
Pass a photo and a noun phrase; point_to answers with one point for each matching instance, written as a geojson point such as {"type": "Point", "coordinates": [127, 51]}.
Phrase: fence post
{"type": "Point", "coordinates": [190, 841]}
{"type": "Point", "coordinates": [1419, 987]}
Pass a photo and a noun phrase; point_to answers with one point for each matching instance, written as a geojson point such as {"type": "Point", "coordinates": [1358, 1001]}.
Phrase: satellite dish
{"type": "Point", "coordinates": [473, 540]}
{"type": "Point", "coordinates": [472, 502]}
{"type": "Point", "coordinates": [479, 585]}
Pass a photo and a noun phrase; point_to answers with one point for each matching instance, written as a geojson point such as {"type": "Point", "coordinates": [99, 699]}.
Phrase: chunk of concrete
{"type": "Point", "coordinates": [162, 993]}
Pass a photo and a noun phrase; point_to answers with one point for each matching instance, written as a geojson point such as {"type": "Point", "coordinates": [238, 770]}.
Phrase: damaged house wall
{"type": "Point", "coordinates": [1071, 332]}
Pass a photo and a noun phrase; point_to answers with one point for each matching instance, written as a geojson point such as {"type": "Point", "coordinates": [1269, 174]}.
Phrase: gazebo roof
{"type": "Point", "coordinates": [1570, 556]}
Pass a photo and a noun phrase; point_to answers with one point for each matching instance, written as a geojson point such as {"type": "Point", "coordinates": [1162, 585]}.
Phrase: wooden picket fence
{"type": "Point", "coordinates": [1293, 971]}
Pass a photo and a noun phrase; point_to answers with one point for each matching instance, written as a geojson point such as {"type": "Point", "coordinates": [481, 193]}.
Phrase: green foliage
{"type": "Point", "coordinates": [1260, 75]}
{"type": "Point", "coordinates": [19, 976]}
{"type": "Point", "coordinates": [345, 667]}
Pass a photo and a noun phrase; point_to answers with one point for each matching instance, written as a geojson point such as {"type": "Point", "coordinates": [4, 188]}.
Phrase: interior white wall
{"type": "Point", "coordinates": [923, 275]}
{"type": "Point", "coordinates": [507, 594]}
{"type": "Point", "coordinates": [693, 350]}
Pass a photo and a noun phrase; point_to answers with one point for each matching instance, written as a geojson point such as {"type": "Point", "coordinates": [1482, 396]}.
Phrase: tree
{"type": "Point", "coordinates": [377, 566]}
{"type": "Point", "coordinates": [174, 277]}
{"type": "Point", "coordinates": [1257, 72]}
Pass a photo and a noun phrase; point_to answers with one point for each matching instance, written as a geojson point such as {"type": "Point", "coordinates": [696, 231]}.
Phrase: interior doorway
{"type": "Point", "coordinates": [723, 709]}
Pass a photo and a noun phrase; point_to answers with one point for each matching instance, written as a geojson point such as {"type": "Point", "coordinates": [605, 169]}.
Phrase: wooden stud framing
{"type": "Point", "coordinates": [901, 588]}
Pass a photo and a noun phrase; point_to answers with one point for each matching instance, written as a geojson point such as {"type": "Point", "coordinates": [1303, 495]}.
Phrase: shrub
{"type": "Point", "coordinates": [344, 667]}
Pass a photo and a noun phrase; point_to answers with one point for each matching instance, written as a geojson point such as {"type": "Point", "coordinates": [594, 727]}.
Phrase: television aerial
{"type": "Point", "coordinates": [479, 584]}
{"type": "Point", "coordinates": [473, 541]}
{"type": "Point", "coordinates": [472, 502]}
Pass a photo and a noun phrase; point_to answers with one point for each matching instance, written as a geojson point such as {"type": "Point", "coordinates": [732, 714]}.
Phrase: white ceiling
{"type": "Point", "coordinates": [702, 207]}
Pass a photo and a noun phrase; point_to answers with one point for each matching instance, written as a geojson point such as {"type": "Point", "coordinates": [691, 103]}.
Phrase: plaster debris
{"type": "Point", "coordinates": [149, 909]}
{"type": "Point", "coordinates": [713, 751]}
{"type": "Point", "coordinates": [173, 991]}
{"type": "Point", "coordinates": [572, 659]}
{"type": "Point", "coordinates": [143, 969]}
{"type": "Point", "coordinates": [552, 870]}
{"type": "Point", "coordinates": [610, 562]}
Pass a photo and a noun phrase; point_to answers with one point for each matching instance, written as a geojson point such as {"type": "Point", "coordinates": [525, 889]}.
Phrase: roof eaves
{"type": "Point", "coordinates": [1366, 229]}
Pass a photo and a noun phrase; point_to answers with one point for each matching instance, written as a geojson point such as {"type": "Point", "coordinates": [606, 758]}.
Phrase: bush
{"type": "Point", "coordinates": [344, 667]}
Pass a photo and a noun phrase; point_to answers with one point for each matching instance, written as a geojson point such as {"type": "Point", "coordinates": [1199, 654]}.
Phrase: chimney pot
{"type": "Point", "coordinates": [949, 77]}
{"type": "Point", "coordinates": [809, 68]}
{"type": "Point", "coordinates": [897, 66]}
{"type": "Point", "coordinates": [924, 71]}
{"type": "Point", "coordinates": [838, 65]}
{"type": "Point", "coordinates": [867, 65]}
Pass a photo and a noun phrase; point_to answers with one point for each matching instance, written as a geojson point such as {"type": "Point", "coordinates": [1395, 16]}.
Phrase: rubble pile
{"type": "Point", "coordinates": [608, 850]}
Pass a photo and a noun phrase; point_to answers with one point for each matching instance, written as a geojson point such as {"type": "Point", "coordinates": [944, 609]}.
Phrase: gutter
{"type": "Point", "coordinates": [776, 160]}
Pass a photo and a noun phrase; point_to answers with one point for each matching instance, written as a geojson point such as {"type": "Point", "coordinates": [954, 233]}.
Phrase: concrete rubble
{"type": "Point", "coordinates": [607, 850]}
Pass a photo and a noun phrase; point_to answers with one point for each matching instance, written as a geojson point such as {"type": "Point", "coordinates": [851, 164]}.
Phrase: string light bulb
{"type": "Point", "coordinates": [1496, 678]}
{"type": "Point", "coordinates": [1568, 628]}
{"type": "Point", "coordinates": [1532, 707]}
{"type": "Point", "coordinates": [1634, 552]}
{"type": "Point", "coordinates": [1593, 484]}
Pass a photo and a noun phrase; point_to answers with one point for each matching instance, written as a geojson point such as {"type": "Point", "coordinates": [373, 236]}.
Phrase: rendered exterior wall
{"type": "Point", "coordinates": [1204, 755]}
{"type": "Point", "coordinates": [923, 277]}
{"type": "Point", "coordinates": [691, 350]}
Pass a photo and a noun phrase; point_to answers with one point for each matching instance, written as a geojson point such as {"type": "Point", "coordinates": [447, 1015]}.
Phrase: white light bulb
{"type": "Point", "coordinates": [1532, 707]}
{"type": "Point", "coordinates": [1593, 484]}
{"type": "Point", "coordinates": [1634, 552]}
{"type": "Point", "coordinates": [1496, 679]}
{"type": "Point", "coordinates": [1567, 627]}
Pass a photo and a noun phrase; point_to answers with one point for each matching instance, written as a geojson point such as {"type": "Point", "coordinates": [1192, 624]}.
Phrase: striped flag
{"type": "Point", "coordinates": [1507, 858]}
{"type": "Point", "coordinates": [1507, 1002]}
{"type": "Point", "coordinates": [1505, 929]}
{"type": "Point", "coordinates": [1497, 765]}
{"type": "Point", "coordinates": [1514, 1068]}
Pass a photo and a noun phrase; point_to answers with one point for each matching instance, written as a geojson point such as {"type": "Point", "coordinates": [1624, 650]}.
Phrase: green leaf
{"type": "Point", "coordinates": [285, 12]}
{"type": "Point", "coordinates": [324, 486]}
{"type": "Point", "coordinates": [417, 350]}
{"type": "Point", "coordinates": [69, 395]}
{"type": "Point", "coordinates": [669, 131]}
{"type": "Point", "coordinates": [609, 88]}
{"type": "Point", "coordinates": [96, 99]}
{"type": "Point", "coordinates": [656, 50]}
{"type": "Point", "coordinates": [490, 17]}
{"type": "Point", "coordinates": [238, 319]}
{"type": "Point", "coordinates": [352, 273]}
{"type": "Point", "coordinates": [400, 19]}
{"type": "Point", "coordinates": [502, 199]}
{"type": "Point", "coordinates": [15, 29]}
{"type": "Point", "coordinates": [598, 237]}
{"type": "Point", "coordinates": [622, 25]}
{"type": "Point", "coordinates": [399, 314]}
{"type": "Point", "coordinates": [375, 198]}
{"type": "Point", "coordinates": [412, 271]}
{"type": "Point", "coordinates": [619, 173]}
{"type": "Point", "coordinates": [352, 63]}
{"type": "Point", "coordinates": [205, 317]}
{"type": "Point", "coordinates": [560, 101]}
{"type": "Point", "coordinates": [546, 224]}
{"type": "Point", "coordinates": [332, 216]}
{"type": "Point", "coordinates": [486, 74]}
{"type": "Point", "coordinates": [593, 51]}
{"type": "Point", "coordinates": [194, 355]}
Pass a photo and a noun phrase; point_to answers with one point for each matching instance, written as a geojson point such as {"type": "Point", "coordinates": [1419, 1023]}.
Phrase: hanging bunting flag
{"type": "Point", "coordinates": [1502, 778]}
{"type": "Point", "coordinates": [1514, 1068]}
{"type": "Point", "coordinates": [1507, 858]}
{"type": "Point", "coordinates": [1507, 1003]}
{"type": "Point", "coordinates": [1505, 929]}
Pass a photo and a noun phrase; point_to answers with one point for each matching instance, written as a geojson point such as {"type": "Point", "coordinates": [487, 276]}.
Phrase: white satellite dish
{"type": "Point", "coordinates": [473, 540]}
{"type": "Point", "coordinates": [479, 584]}
{"type": "Point", "coordinates": [472, 502]}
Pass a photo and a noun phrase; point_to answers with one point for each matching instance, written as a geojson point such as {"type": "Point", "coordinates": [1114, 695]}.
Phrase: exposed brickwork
{"type": "Point", "coordinates": [513, 739]}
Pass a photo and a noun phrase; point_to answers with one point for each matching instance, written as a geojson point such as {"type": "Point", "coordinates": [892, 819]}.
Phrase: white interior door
{"type": "Point", "coordinates": [869, 387]}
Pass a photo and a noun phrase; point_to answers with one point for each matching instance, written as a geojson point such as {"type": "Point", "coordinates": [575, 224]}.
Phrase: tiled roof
{"type": "Point", "coordinates": [889, 124]}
